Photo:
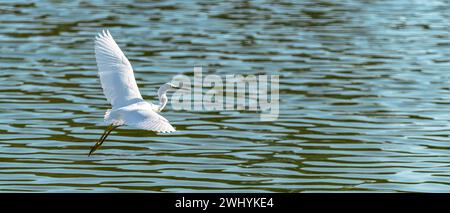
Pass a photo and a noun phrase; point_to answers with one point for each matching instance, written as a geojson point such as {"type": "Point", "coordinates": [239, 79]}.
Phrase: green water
{"type": "Point", "coordinates": [364, 89]}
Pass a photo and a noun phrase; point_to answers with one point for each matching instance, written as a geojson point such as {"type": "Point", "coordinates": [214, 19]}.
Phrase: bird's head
{"type": "Point", "coordinates": [166, 87]}
{"type": "Point", "coordinates": [172, 86]}
{"type": "Point", "coordinates": [162, 93]}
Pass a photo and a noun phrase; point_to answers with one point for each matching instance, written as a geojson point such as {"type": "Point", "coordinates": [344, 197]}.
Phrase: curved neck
{"type": "Point", "coordinates": [162, 102]}
{"type": "Point", "coordinates": [162, 96]}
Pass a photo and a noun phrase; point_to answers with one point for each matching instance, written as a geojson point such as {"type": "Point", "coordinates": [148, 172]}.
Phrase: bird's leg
{"type": "Point", "coordinates": [104, 133]}
{"type": "Point", "coordinates": [102, 138]}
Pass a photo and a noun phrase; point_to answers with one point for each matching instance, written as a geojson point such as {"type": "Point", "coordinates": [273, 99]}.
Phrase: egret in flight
{"type": "Point", "coordinates": [121, 91]}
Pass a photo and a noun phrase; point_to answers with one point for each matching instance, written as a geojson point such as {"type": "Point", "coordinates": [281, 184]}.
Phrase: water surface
{"type": "Point", "coordinates": [364, 88]}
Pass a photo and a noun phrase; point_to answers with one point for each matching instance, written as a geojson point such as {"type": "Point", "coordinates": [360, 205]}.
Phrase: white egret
{"type": "Point", "coordinates": [121, 91]}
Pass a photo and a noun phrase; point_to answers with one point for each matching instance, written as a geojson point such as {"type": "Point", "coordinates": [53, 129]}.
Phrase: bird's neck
{"type": "Point", "coordinates": [162, 102]}
{"type": "Point", "coordinates": [162, 96]}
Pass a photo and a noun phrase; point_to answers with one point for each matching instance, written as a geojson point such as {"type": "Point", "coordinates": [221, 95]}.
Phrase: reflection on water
{"type": "Point", "coordinates": [364, 90]}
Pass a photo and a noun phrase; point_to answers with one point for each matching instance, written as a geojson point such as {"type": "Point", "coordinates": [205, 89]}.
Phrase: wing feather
{"type": "Point", "coordinates": [115, 71]}
{"type": "Point", "coordinates": [139, 115]}
{"type": "Point", "coordinates": [121, 90]}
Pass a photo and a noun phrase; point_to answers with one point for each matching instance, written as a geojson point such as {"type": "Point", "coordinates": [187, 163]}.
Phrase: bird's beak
{"type": "Point", "coordinates": [180, 88]}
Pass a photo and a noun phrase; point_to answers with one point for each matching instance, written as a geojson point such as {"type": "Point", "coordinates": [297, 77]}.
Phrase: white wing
{"type": "Point", "coordinates": [115, 71]}
{"type": "Point", "coordinates": [139, 115]}
{"type": "Point", "coordinates": [149, 120]}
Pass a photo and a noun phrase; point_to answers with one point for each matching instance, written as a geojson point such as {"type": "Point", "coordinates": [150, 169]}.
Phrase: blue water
{"type": "Point", "coordinates": [364, 89]}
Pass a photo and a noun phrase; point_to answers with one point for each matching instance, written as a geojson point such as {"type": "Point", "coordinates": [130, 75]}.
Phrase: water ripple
{"type": "Point", "coordinates": [363, 88]}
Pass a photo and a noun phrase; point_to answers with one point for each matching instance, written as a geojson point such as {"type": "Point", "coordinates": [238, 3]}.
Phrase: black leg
{"type": "Point", "coordinates": [102, 138]}
{"type": "Point", "coordinates": [104, 133]}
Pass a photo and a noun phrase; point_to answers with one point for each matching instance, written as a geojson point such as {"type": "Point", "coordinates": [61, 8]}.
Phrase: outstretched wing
{"type": "Point", "coordinates": [141, 116]}
{"type": "Point", "coordinates": [153, 122]}
{"type": "Point", "coordinates": [115, 71]}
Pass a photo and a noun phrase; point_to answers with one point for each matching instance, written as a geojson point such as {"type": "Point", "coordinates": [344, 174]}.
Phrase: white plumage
{"type": "Point", "coordinates": [139, 115]}
{"type": "Point", "coordinates": [115, 71]}
{"type": "Point", "coordinates": [121, 90]}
